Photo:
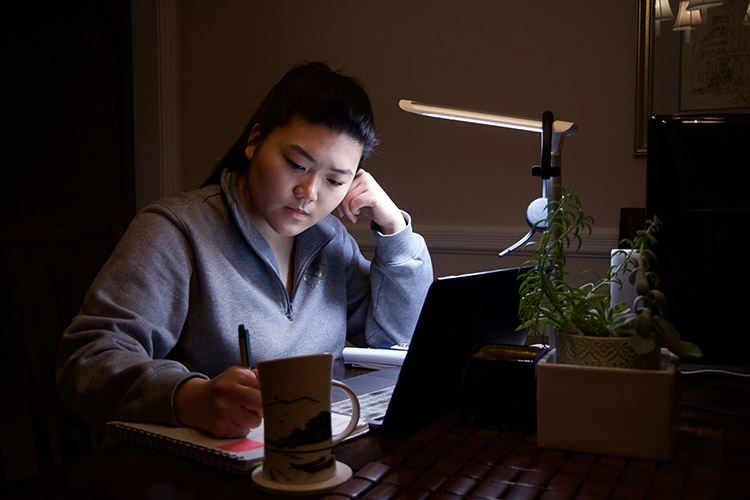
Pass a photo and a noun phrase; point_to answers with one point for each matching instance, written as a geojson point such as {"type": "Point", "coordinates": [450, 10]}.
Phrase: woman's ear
{"type": "Point", "coordinates": [252, 141]}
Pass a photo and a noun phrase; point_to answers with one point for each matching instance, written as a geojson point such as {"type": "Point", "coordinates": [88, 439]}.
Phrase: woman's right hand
{"type": "Point", "coordinates": [229, 405]}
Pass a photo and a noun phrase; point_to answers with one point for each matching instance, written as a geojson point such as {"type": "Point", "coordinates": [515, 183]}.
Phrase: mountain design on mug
{"type": "Point", "coordinates": [321, 463]}
{"type": "Point", "coordinates": [299, 424]}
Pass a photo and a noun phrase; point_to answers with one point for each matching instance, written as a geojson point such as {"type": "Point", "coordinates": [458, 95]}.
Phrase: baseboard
{"type": "Point", "coordinates": [489, 240]}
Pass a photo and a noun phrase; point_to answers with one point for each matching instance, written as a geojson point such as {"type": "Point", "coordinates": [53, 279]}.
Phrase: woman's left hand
{"type": "Point", "coordinates": [366, 197]}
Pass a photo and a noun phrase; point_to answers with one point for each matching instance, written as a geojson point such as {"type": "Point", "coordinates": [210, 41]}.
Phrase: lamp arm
{"type": "Point", "coordinates": [553, 134]}
{"type": "Point", "coordinates": [559, 128]}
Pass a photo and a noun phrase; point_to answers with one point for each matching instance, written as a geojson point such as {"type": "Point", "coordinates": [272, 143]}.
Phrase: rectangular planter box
{"type": "Point", "coordinates": [621, 412]}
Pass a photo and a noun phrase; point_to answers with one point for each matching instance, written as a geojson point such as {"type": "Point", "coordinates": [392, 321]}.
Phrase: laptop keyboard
{"type": "Point", "coordinates": [371, 405]}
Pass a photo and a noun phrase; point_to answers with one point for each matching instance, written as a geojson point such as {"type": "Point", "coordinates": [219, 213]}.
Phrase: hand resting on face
{"type": "Point", "coordinates": [367, 197]}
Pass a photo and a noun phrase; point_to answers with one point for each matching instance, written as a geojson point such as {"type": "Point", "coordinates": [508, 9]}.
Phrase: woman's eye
{"type": "Point", "coordinates": [294, 165]}
{"type": "Point", "coordinates": [334, 182]}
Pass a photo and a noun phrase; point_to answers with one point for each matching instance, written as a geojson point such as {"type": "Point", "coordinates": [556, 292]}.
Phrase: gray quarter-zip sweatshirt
{"type": "Point", "coordinates": [191, 268]}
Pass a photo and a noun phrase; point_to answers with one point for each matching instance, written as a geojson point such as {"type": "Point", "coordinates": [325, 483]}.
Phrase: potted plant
{"type": "Point", "coordinates": [614, 390]}
{"type": "Point", "coordinates": [577, 313]}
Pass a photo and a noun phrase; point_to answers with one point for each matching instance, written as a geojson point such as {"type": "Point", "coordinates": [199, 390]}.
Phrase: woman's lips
{"type": "Point", "coordinates": [296, 212]}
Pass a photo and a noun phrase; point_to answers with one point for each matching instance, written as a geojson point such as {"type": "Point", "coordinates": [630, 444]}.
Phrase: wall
{"type": "Point", "coordinates": [467, 186]}
{"type": "Point", "coordinates": [68, 191]}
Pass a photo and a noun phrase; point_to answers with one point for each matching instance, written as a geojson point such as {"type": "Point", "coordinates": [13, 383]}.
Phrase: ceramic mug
{"type": "Point", "coordinates": [298, 439]}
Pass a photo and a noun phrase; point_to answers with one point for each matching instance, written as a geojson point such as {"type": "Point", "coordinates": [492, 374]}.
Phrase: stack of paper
{"type": "Point", "coordinates": [375, 357]}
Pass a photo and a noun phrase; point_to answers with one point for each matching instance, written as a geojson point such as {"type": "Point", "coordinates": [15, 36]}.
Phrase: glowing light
{"type": "Point", "coordinates": [662, 12]}
{"type": "Point", "coordinates": [687, 19]}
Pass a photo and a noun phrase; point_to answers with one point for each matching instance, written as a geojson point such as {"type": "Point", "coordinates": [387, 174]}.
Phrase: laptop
{"type": "Point", "coordinates": [459, 315]}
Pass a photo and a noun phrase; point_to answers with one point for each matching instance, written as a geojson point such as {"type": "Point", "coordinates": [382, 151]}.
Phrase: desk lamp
{"type": "Point", "coordinates": [553, 133]}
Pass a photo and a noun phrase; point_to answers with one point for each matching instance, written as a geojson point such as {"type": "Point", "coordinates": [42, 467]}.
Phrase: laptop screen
{"type": "Point", "coordinates": [460, 314]}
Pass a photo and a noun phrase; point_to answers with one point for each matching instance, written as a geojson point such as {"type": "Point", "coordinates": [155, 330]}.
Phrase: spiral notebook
{"type": "Point", "coordinates": [235, 455]}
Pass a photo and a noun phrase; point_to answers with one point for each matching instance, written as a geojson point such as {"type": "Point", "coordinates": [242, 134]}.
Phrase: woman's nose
{"type": "Point", "coordinates": [307, 189]}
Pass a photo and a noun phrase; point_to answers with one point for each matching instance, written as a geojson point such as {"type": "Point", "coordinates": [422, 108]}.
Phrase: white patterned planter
{"type": "Point", "coordinates": [613, 352]}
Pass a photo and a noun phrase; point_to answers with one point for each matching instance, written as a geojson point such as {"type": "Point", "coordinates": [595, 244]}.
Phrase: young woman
{"type": "Point", "coordinates": [156, 337]}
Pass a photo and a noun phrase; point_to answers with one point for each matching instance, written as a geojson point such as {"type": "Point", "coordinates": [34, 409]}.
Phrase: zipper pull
{"type": "Point", "coordinates": [290, 312]}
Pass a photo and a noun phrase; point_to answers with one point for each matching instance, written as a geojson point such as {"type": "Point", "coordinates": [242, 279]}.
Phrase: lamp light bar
{"type": "Point", "coordinates": [560, 128]}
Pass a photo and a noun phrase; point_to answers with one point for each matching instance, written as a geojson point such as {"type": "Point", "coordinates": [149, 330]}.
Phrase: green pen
{"type": "Point", "coordinates": [246, 356]}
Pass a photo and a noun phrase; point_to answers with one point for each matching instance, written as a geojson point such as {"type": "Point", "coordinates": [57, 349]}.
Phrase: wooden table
{"type": "Point", "coordinates": [128, 471]}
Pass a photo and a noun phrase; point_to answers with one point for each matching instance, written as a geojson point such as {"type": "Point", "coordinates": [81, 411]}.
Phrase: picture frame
{"type": "Point", "coordinates": [703, 70]}
{"type": "Point", "coordinates": [644, 82]}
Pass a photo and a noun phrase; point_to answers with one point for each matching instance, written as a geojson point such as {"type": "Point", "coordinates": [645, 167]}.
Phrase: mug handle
{"type": "Point", "coordinates": [355, 412]}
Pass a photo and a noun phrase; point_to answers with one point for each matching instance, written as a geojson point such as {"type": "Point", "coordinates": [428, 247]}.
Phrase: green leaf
{"type": "Point", "coordinates": [642, 288]}
{"type": "Point", "coordinates": [642, 345]}
{"type": "Point", "coordinates": [643, 323]}
{"type": "Point", "coordinates": [653, 279]}
{"type": "Point", "coordinates": [659, 298]}
{"type": "Point", "coordinates": [689, 350]}
{"type": "Point", "coordinates": [667, 334]}
{"type": "Point", "coordinates": [633, 276]}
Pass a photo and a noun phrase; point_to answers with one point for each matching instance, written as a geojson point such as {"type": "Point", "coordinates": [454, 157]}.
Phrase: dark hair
{"type": "Point", "coordinates": [317, 94]}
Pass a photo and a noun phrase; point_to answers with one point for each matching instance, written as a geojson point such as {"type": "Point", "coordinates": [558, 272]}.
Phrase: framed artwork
{"type": "Point", "coordinates": [690, 61]}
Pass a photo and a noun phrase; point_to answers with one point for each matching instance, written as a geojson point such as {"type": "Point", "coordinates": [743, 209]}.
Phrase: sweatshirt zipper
{"type": "Point", "coordinates": [290, 312]}
{"type": "Point", "coordinates": [297, 281]}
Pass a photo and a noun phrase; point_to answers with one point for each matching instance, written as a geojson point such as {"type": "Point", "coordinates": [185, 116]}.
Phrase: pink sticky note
{"type": "Point", "coordinates": [242, 445]}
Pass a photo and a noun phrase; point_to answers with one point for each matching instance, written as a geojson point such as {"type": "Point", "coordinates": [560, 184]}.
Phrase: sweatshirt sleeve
{"type": "Point", "coordinates": [399, 277]}
{"type": "Point", "coordinates": [111, 361]}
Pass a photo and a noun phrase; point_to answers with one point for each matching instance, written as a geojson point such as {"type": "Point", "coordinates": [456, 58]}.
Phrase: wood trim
{"type": "Point", "coordinates": [169, 95]}
{"type": "Point", "coordinates": [488, 240]}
